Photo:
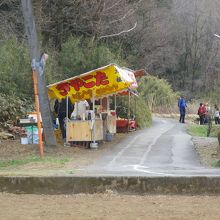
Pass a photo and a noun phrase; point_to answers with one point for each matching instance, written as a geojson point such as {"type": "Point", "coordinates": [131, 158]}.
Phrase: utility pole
{"type": "Point", "coordinates": [38, 63]}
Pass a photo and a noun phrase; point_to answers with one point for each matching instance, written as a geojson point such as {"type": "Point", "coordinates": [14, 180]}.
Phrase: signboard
{"type": "Point", "coordinates": [96, 83]}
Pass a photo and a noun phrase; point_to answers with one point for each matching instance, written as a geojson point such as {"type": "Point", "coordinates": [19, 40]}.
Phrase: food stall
{"type": "Point", "coordinates": [94, 85]}
{"type": "Point", "coordinates": [128, 123]}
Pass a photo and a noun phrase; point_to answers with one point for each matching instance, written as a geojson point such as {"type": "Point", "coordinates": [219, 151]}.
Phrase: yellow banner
{"type": "Point", "coordinates": [96, 83]}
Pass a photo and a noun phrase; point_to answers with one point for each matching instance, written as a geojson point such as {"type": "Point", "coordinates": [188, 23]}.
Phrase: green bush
{"type": "Point", "coordinates": [72, 58]}
{"type": "Point", "coordinates": [217, 164]}
{"type": "Point", "coordinates": [212, 97]}
{"type": "Point", "coordinates": [53, 71]}
{"type": "Point", "coordinates": [138, 110]}
{"type": "Point", "coordinates": [15, 71]}
{"type": "Point", "coordinates": [12, 106]}
{"type": "Point", "coordinates": [79, 55]}
{"type": "Point", "coordinates": [157, 93]}
{"type": "Point", "coordinates": [143, 114]}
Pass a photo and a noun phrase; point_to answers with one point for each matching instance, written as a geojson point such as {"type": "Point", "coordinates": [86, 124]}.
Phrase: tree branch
{"type": "Point", "coordinates": [117, 34]}
{"type": "Point", "coordinates": [130, 12]}
{"type": "Point", "coordinates": [115, 4]}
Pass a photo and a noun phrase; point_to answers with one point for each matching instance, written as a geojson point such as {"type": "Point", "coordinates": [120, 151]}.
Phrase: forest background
{"type": "Point", "coordinates": [173, 40]}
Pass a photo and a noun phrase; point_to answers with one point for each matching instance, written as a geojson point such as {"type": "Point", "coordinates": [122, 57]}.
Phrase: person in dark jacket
{"type": "Point", "coordinates": [60, 109]}
{"type": "Point", "coordinates": [182, 108]}
{"type": "Point", "coordinates": [217, 115]}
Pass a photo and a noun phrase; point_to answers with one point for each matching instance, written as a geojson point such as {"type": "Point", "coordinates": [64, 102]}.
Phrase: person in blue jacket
{"type": "Point", "coordinates": [182, 104]}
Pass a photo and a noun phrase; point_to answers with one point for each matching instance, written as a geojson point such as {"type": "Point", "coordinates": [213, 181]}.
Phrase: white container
{"type": "Point", "coordinates": [24, 140]}
{"type": "Point", "coordinates": [93, 145]}
{"type": "Point", "coordinates": [84, 117]}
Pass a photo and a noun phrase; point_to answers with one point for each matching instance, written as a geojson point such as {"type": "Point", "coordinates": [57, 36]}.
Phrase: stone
{"type": "Point", "coordinates": [6, 136]}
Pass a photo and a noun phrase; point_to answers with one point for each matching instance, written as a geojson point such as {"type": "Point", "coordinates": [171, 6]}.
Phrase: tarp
{"type": "Point", "coordinates": [96, 83]}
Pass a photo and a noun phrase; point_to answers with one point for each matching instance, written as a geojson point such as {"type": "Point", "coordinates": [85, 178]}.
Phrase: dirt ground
{"type": "Point", "coordinates": [108, 206]}
{"type": "Point", "coordinates": [78, 156]}
{"type": "Point", "coordinates": [98, 206]}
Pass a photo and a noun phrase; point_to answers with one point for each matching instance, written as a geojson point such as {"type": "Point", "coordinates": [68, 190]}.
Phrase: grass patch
{"type": "Point", "coordinates": [215, 130]}
{"type": "Point", "coordinates": [217, 164]}
{"type": "Point", "coordinates": [197, 130]}
{"type": "Point", "coordinates": [14, 163]}
{"type": "Point", "coordinates": [201, 130]}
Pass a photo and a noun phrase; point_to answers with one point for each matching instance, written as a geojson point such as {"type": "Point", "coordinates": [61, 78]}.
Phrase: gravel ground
{"type": "Point", "coordinates": [207, 150]}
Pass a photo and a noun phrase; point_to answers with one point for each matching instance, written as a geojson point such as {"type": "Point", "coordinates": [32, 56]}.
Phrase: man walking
{"type": "Point", "coordinates": [182, 108]}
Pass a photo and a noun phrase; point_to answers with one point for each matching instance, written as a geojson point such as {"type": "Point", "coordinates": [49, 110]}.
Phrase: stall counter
{"type": "Point", "coordinates": [111, 124]}
{"type": "Point", "coordinates": [81, 130]}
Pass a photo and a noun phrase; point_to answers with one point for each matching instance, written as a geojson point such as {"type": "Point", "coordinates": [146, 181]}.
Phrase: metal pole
{"type": "Point", "coordinates": [93, 116]}
{"type": "Point", "coordinates": [128, 108]}
{"type": "Point", "coordinates": [67, 119]}
{"type": "Point", "coordinates": [107, 104]}
{"type": "Point", "coordinates": [135, 101]}
{"type": "Point", "coordinates": [115, 103]}
{"type": "Point", "coordinates": [93, 145]}
{"type": "Point", "coordinates": [101, 104]}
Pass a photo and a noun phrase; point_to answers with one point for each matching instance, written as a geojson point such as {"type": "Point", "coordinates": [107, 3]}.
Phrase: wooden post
{"type": "Point", "coordinates": [38, 114]}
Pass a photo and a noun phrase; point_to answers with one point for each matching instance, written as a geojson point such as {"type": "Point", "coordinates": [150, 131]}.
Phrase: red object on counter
{"type": "Point", "coordinates": [113, 113]}
{"type": "Point", "coordinates": [124, 125]}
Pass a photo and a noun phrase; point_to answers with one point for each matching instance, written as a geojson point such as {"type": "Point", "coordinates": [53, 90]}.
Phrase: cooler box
{"type": "Point", "coordinates": [32, 134]}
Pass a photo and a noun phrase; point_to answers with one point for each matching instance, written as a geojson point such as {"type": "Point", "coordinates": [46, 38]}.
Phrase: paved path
{"type": "Point", "coordinates": [165, 149]}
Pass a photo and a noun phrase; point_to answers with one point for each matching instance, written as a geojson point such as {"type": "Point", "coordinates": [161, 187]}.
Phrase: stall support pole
{"type": "Point", "coordinates": [66, 144]}
{"type": "Point", "coordinates": [93, 117]}
{"type": "Point", "coordinates": [115, 103]}
{"type": "Point", "coordinates": [34, 75]}
{"type": "Point", "coordinates": [129, 100]}
{"type": "Point", "coordinates": [93, 145]}
{"type": "Point", "coordinates": [107, 104]}
{"type": "Point", "coordinates": [135, 101]}
{"type": "Point", "coordinates": [101, 104]}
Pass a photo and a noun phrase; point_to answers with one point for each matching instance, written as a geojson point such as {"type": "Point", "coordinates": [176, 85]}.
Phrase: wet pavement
{"type": "Point", "coordinates": [165, 149]}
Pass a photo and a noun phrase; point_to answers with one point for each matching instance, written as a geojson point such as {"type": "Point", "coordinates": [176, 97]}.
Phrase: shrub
{"type": "Point", "coordinates": [15, 69]}
{"type": "Point", "coordinates": [138, 110]}
{"type": "Point", "coordinates": [79, 55]}
{"type": "Point", "coordinates": [157, 93]}
{"type": "Point", "coordinates": [11, 107]}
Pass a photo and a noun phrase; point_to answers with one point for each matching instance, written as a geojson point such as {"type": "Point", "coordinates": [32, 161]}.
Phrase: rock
{"type": "Point", "coordinates": [5, 136]}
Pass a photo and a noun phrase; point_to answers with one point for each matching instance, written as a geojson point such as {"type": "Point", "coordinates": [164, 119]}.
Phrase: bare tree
{"type": "Point", "coordinates": [35, 56]}
{"type": "Point", "coordinates": [170, 38]}
{"type": "Point", "coordinates": [95, 19]}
